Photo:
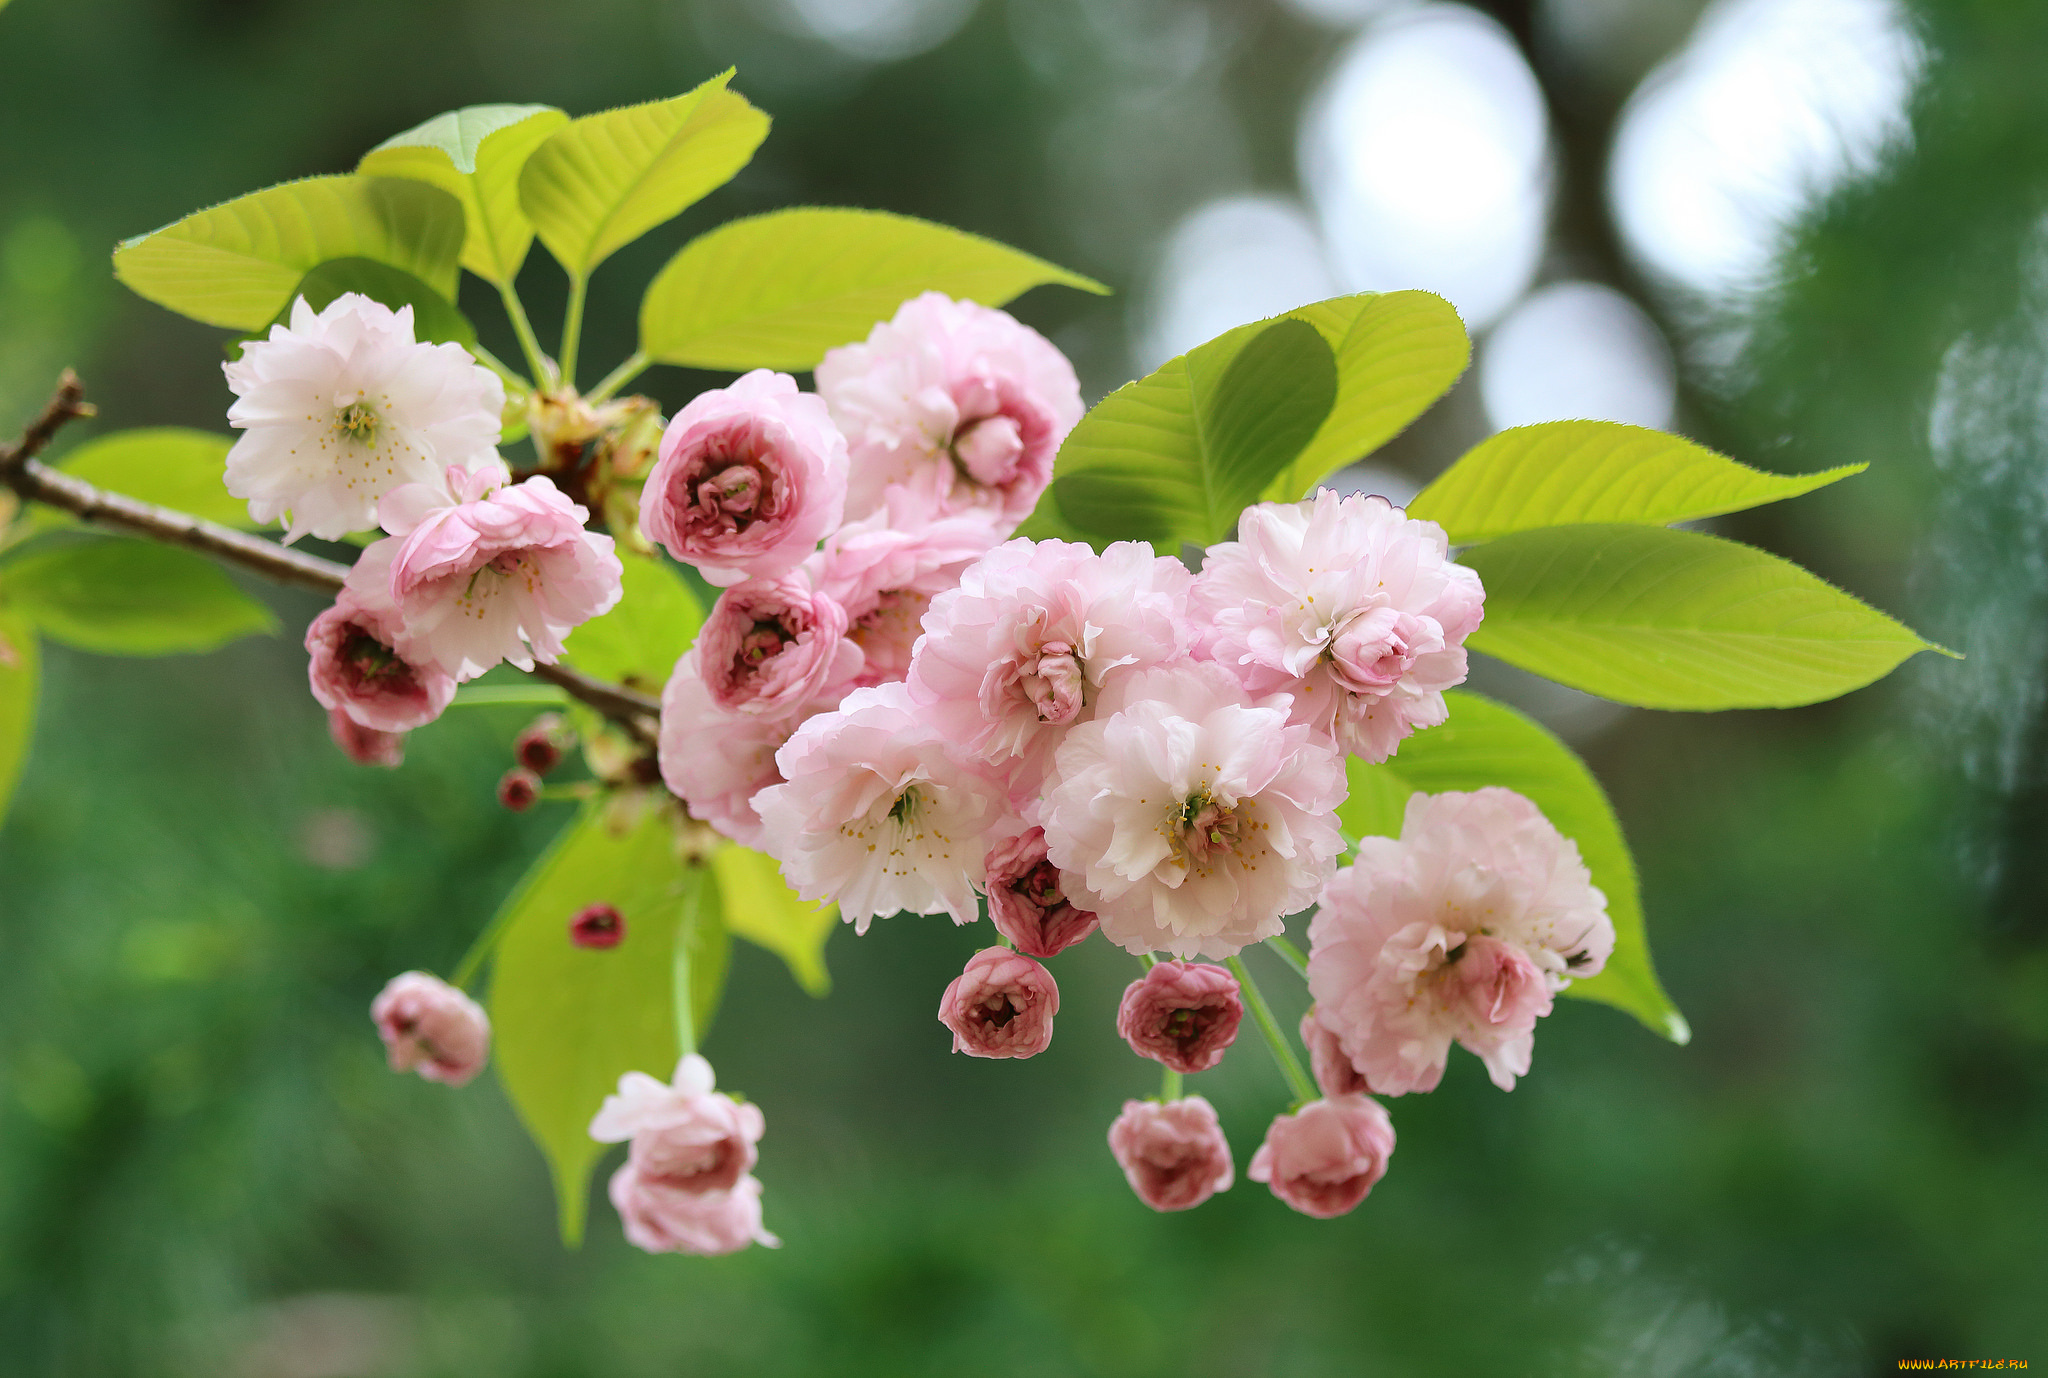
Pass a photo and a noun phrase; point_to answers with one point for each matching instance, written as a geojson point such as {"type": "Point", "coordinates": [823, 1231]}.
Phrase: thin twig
{"type": "Point", "coordinates": [36, 482]}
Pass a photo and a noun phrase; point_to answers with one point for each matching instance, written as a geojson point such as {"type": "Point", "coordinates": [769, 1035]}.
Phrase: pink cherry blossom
{"type": "Point", "coordinates": [750, 478]}
{"type": "Point", "coordinates": [664, 1219]}
{"type": "Point", "coordinates": [1025, 901]}
{"type": "Point", "coordinates": [877, 812]}
{"type": "Point", "coordinates": [366, 746]}
{"type": "Point", "coordinates": [685, 1135]}
{"type": "Point", "coordinates": [1019, 653]}
{"type": "Point", "coordinates": [956, 402]}
{"type": "Point", "coordinates": [1001, 1005]}
{"type": "Point", "coordinates": [1324, 1158]}
{"type": "Point", "coordinates": [1460, 931]}
{"type": "Point", "coordinates": [771, 646]}
{"type": "Point", "coordinates": [715, 760]}
{"type": "Point", "coordinates": [1173, 1154]}
{"type": "Point", "coordinates": [486, 570]}
{"type": "Point", "coordinates": [1182, 1014]}
{"type": "Point", "coordinates": [357, 669]}
{"type": "Point", "coordinates": [885, 569]}
{"type": "Point", "coordinates": [1349, 605]}
{"type": "Point", "coordinates": [1190, 817]}
{"type": "Point", "coordinates": [430, 1027]}
{"type": "Point", "coordinates": [1333, 1070]}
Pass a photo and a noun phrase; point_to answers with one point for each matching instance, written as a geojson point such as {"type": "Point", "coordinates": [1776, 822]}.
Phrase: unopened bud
{"type": "Point", "coordinates": [541, 745]}
{"type": "Point", "coordinates": [519, 790]}
{"type": "Point", "coordinates": [366, 746]}
{"type": "Point", "coordinates": [598, 926]}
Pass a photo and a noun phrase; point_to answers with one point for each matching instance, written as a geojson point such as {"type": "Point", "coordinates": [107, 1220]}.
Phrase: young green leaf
{"type": "Point", "coordinates": [568, 1021]}
{"type": "Point", "coordinates": [20, 684]}
{"type": "Point", "coordinates": [167, 465]}
{"type": "Point", "coordinates": [600, 182]}
{"type": "Point", "coordinates": [238, 264]}
{"type": "Point", "coordinates": [123, 597]}
{"type": "Point", "coordinates": [476, 154]}
{"type": "Point", "coordinates": [778, 290]}
{"type": "Point", "coordinates": [760, 907]}
{"type": "Point", "coordinates": [1675, 619]}
{"type": "Point", "coordinates": [1486, 743]}
{"type": "Point", "coordinates": [1561, 473]}
{"type": "Point", "coordinates": [1176, 456]}
{"type": "Point", "coordinates": [1397, 353]}
{"type": "Point", "coordinates": [639, 641]}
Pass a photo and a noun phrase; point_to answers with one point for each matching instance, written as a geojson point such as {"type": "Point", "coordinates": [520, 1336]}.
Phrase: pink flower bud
{"type": "Point", "coordinates": [685, 1135]}
{"type": "Point", "coordinates": [665, 1219]}
{"type": "Point", "coordinates": [519, 790]}
{"type": "Point", "coordinates": [354, 666]}
{"type": "Point", "coordinates": [1000, 1006]}
{"type": "Point", "coordinates": [1174, 1155]}
{"type": "Point", "coordinates": [1182, 1014]}
{"type": "Point", "coordinates": [1324, 1158]}
{"type": "Point", "coordinates": [429, 1026]}
{"type": "Point", "coordinates": [1026, 901]}
{"type": "Point", "coordinates": [1334, 1071]}
{"type": "Point", "coordinates": [366, 746]}
{"type": "Point", "coordinates": [598, 926]}
{"type": "Point", "coordinates": [540, 747]}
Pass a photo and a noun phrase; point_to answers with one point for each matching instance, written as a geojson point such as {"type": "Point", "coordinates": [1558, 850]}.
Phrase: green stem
{"type": "Point", "coordinates": [529, 343]}
{"type": "Point", "coordinates": [1169, 1086]}
{"type": "Point", "coordinates": [1289, 954]}
{"type": "Point", "coordinates": [473, 960]}
{"type": "Point", "coordinates": [636, 363]}
{"type": "Point", "coordinates": [1147, 960]}
{"type": "Point", "coordinates": [686, 1022]}
{"type": "Point", "coordinates": [1283, 1052]}
{"type": "Point", "coordinates": [572, 328]}
{"type": "Point", "coordinates": [511, 377]}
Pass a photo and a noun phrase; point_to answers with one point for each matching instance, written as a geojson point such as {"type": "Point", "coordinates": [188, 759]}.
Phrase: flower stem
{"type": "Point", "coordinates": [636, 363]}
{"type": "Point", "coordinates": [1169, 1086]}
{"type": "Point", "coordinates": [572, 327]}
{"type": "Point", "coordinates": [508, 375]}
{"type": "Point", "coordinates": [686, 932]}
{"type": "Point", "coordinates": [473, 960]}
{"type": "Point", "coordinates": [1147, 960]}
{"type": "Point", "coordinates": [1283, 1052]}
{"type": "Point", "coordinates": [1291, 955]}
{"type": "Point", "coordinates": [529, 343]}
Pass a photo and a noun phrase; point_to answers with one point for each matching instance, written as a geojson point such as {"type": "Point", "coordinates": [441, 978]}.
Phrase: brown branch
{"type": "Point", "coordinates": [36, 482]}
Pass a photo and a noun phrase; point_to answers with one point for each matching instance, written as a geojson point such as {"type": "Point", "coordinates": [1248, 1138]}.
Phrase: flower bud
{"type": "Point", "coordinates": [519, 790]}
{"type": "Point", "coordinates": [598, 926]}
{"type": "Point", "coordinates": [431, 1027]}
{"type": "Point", "coordinates": [1001, 1005]}
{"type": "Point", "coordinates": [1324, 1158]}
{"type": "Point", "coordinates": [1026, 900]}
{"type": "Point", "coordinates": [1182, 1014]}
{"type": "Point", "coordinates": [664, 1219]}
{"type": "Point", "coordinates": [1335, 1072]}
{"type": "Point", "coordinates": [1173, 1154]}
{"type": "Point", "coordinates": [366, 746]}
{"type": "Point", "coordinates": [540, 747]}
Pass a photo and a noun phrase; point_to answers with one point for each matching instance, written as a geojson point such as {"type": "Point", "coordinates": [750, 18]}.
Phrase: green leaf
{"type": "Point", "coordinates": [603, 181]}
{"type": "Point", "coordinates": [778, 290]}
{"type": "Point", "coordinates": [122, 597]}
{"type": "Point", "coordinates": [639, 641]}
{"type": "Point", "coordinates": [20, 683]}
{"type": "Point", "coordinates": [476, 155]}
{"type": "Point", "coordinates": [435, 319]}
{"type": "Point", "coordinates": [1675, 619]}
{"type": "Point", "coordinates": [760, 907]}
{"type": "Point", "coordinates": [1486, 743]}
{"type": "Point", "coordinates": [167, 465]}
{"type": "Point", "coordinates": [1177, 455]}
{"type": "Point", "coordinates": [238, 264]}
{"type": "Point", "coordinates": [1397, 353]}
{"type": "Point", "coordinates": [569, 1021]}
{"type": "Point", "coordinates": [1562, 473]}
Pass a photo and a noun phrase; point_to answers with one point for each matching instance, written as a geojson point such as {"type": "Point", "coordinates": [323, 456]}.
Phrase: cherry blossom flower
{"type": "Point", "coordinates": [430, 1027]}
{"type": "Point", "coordinates": [1325, 1157]}
{"type": "Point", "coordinates": [1019, 653]}
{"type": "Point", "coordinates": [664, 1219]}
{"type": "Point", "coordinates": [486, 570]}
{"type": "Point", "coordinates": [1025, 901]}
{"type": "Point", "coordinates": [1348, 604]}
{"type": "Point", "coordinates": [771, 646]}
{"type": "Point", "coordinates": [1174, 1154]}
{"type": "Point", "coordinates": [954, 401]}
{"type": "Point", "coordinates": [750, 478]}
{"type": "Point", "coordinates": [877, 813]}
{"type": "Point", "coordinates": [716, 760]}
{"type": "Point", "coordinates": [343, 405]}
{"type": "Point", "coordinates": [1460, 931]}
{"type": "Point", "coordinates": [1001, 1005]}
{"type": "Point", "coordinates": [1190, 817]}
{"type": "Point", "coordinates": [1182, 1014]}
{"type": "Point", "coordinates": [685, 1135]}
{"type": "Point", "coordinates": [356, 667]}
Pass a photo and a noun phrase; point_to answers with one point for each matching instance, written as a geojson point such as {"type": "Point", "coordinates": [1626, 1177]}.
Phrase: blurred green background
{"type": "Point", "coordinates": [206, 1170]}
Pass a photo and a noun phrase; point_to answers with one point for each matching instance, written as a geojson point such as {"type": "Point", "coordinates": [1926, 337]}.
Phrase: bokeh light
{"type": "Point", "coordinates": [874, 30]}
{"type": "Point", "coordinates": [1576, 349]}
{"type": "Point", "coordinates": [1238, 259]}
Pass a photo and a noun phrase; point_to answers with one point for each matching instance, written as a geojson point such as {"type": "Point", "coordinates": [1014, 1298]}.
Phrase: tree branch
{"type": "Point", "coordinates": [36, 482]}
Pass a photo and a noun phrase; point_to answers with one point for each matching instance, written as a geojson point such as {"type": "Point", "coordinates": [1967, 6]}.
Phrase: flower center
{"type": "Point", "coordinates": [1207, 827]}
{"type": "Point", "coordinates": [904, 810]}
{"type": "Point", "coordinates": [1040, 886]}
{"type": "Point", "coordinates": [372, 661]}
{"type": "Point", "coordinates": [763, 644]}
{"type": "Point", "coordinates": [732, 496]}
{"type": "Point", "coordinates": [985, 450]}
{"type": "Point", "coordinates": [997, 1011]}
{"type": "Point", "coordinates": [1054, 682]}
{"type": "Point", "coordinates": [358, 422]}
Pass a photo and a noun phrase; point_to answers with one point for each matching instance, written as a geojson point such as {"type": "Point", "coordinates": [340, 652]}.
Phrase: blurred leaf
{"type": "Point", "coordinates": [639, 641]}
{"type": "Point", "coordinates": [1397, 352]}
{"type": "Point", "coordinates": [759, 906]}
{"type": "Point", "coordinates": [123, 597]}
{"type": "Point", "coordinates": [532, 695]}
{"type": "Point", "coordinates": [1564, 472]}
{"type": "Point", "coordinates": [476, 155]}
{"type": "Point", "coordinates": [1487, 743]}
{"type": "Point", "coordinates": [778, 290]}
{"type": "Point", "coordinates": [238, 264]}
{"type": "Point", "coordinates": [600, 182]}
{"type": "Point", "coordinates": [1177, 455]}
{"type": "Point", "coordinates": [1675, 619]}
{"type": "Point", "coordinates": [181, 469]}
{"type": "Point", "coordinates": [20, 683]}
{"type": "Point", "coordinates": [435, 319]}
{"type": "Point", "coordinates": [569, 1021]}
